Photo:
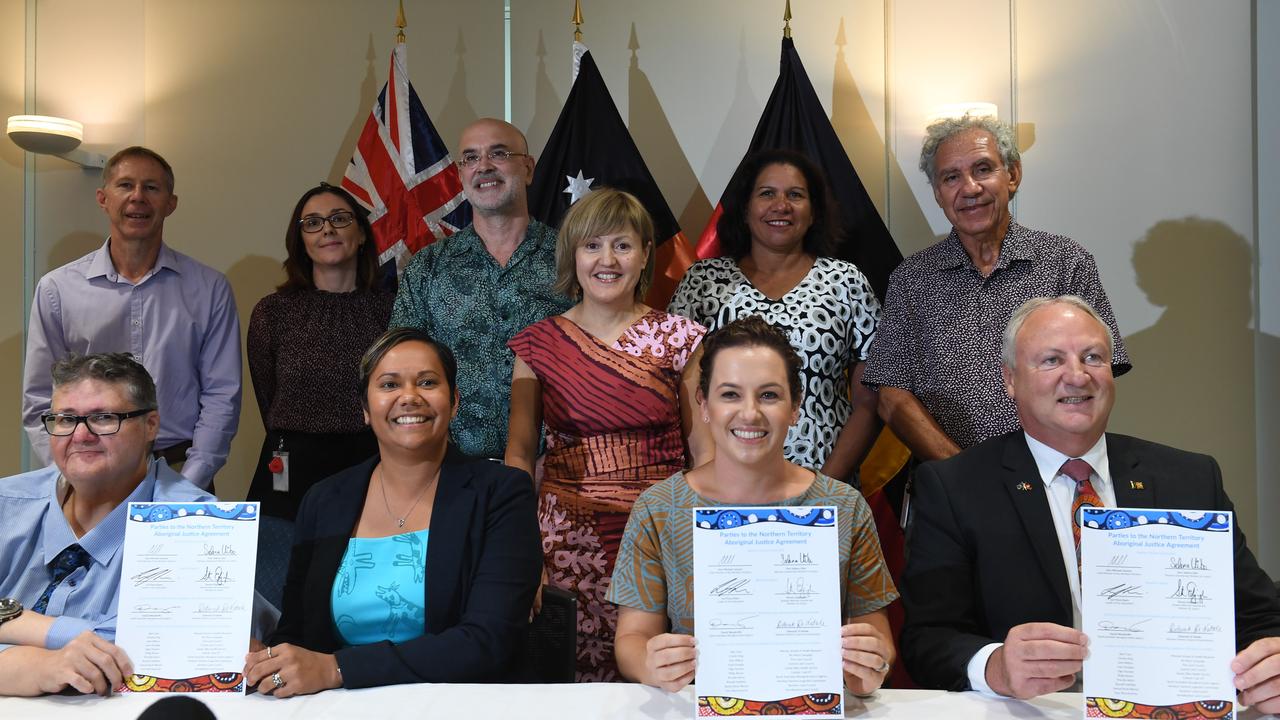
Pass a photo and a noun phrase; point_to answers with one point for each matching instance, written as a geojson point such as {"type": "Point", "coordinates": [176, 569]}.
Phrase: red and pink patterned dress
{"type": "Point", "coordinates": [612, 419]}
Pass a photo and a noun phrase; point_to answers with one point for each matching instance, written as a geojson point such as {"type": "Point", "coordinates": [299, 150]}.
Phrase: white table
{"type": "Point", "coordinates": [535, 702]}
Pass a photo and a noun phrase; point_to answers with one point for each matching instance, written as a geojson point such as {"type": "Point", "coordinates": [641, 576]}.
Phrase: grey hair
{"type": "Point", "coordinates": [942, 130]}
{"type": "Point", "coordinates": [115, 368]}
{"type": "Point", "coordinates": [1009, 342]}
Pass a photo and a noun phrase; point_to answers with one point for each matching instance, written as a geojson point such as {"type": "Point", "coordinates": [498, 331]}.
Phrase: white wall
{"type": "Point", "coordinates": [1267, 348]}
{"type": "Point", "coordinates": [12, 205]}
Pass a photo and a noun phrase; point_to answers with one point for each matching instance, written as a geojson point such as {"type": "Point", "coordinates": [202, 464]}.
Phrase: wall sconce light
{"type": "Point", "coordinates": [46, 135]}
{"type": "Point", "coordinates": [959, 110]}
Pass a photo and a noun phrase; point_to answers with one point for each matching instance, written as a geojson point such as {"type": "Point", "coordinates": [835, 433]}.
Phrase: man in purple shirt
{"type": "Point", "coordinates": [135, 294]}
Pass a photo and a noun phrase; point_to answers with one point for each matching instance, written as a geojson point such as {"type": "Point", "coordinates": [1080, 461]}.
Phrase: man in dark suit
{"type": "Point", "coordinates": [991, 590]}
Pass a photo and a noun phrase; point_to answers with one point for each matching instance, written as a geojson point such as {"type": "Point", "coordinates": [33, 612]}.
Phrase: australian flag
{"type": "Point", "coordinates": [590, 147]}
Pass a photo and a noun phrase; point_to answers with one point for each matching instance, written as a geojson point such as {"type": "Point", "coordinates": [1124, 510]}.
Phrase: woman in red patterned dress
{"type": "Point", "coordinates": [613, 381]}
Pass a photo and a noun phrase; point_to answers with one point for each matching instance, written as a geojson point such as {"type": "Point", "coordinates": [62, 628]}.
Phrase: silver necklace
{"type": "Point", "coordinates": [399, 520]}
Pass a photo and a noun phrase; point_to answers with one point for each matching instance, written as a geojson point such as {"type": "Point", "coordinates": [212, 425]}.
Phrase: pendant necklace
{"type": "Point", "coordinates": [399, 520]}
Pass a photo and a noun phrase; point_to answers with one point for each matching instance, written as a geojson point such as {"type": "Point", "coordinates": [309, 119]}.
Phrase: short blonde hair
{"type": "Point", "coordinates": [601, 212]}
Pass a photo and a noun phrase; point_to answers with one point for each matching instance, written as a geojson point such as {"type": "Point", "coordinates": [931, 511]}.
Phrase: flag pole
{"type": "Point", "coordinates": [401, 24]}
{"type": "Point", "coordinates": [577, 20]}
{"type": "Point", "coordinates": [786, 21]}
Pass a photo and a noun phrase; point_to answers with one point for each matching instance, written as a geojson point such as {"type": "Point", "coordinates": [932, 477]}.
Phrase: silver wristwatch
{"type": "Point", "coordinates": [9, 609]}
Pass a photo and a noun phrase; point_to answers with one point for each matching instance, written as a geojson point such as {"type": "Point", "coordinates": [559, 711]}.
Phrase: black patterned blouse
{"type": "Point", "coordinates": [830, 316]}
{"type": "Point", "coordinates": [304, 351]}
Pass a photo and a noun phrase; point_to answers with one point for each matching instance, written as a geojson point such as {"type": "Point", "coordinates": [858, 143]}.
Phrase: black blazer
{"type": "Point", "coordinates": [984, 556]}
{"type": "Point", "coordinates": [484, 562]}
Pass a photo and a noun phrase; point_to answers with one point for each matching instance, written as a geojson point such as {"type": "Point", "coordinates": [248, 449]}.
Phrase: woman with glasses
{"type": "Point", "coordinates": [305, 338]}
{"type": "Point", "coordinates": [749, 395]}
{"type": "Point", "coordinates": [612, 380]}
{"type": "Point", "coordinates": [776, 235]}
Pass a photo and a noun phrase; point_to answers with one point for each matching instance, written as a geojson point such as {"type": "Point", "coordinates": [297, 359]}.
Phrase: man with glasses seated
{"type": "Point", "coordinates": [135, 294]}
{"type": "Point", "coordinates": [63, 528]}
{"type": "Point", "coordinates": [480, 286]}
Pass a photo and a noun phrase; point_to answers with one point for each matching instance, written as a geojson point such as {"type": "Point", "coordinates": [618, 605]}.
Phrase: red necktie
{"type": "Point", "coordinates": [1079, 470]}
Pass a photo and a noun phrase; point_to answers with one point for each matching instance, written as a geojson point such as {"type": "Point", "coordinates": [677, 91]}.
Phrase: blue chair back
{"type": "Point", "coordinates": [275, 543]}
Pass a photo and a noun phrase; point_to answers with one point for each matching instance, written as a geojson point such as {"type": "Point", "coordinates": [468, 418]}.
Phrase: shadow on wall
{"type": "Point", "coordinates": [866, 149]}
{"type": "Point", "coordinates": [661, 150]}
{"type": "Point", "coordinates": [11, 441]}
{"type": "Point", "coordinates": [368, 94]}
{"type": "Point", "coordinates": [457, 112]}
{"type": "Point", "coordinates": [254, 277]}
{"type": "Point", "coordinates": [73, 247]}
{"type": "Point", "coordinates": [735, 132]}
{"type": "Point", "coordinates": [546, 103]}
{"type": "Point", "coordinates": [1192, 386]}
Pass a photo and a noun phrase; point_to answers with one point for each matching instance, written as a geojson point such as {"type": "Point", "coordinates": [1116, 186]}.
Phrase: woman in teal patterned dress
{"type": "Point", "coordinates": [749, 395]}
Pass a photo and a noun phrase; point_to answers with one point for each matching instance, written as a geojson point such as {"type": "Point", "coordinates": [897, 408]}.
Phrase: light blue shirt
{"type": "Point", "coordinates": [179, 321]}
{"type": "Point", "coordinates": [34, 531]}
{"type": "Point", "coordinates": [380, 587]}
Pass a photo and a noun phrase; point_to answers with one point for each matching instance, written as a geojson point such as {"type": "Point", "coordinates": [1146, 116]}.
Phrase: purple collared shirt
{"type": "Point", "coordinates": [179, 321]}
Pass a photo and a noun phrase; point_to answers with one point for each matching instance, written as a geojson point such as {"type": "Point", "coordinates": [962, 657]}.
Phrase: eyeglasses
{"type": "Point", "coordinates": [315, 223]}
{"type": "Point", "coordinates": [103, 423]}
{"type": "Point", "coordinates": [499, 157]}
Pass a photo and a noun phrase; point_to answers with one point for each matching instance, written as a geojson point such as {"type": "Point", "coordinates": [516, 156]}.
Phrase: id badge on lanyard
{"type": "Point", "coordinates": [279, 467]}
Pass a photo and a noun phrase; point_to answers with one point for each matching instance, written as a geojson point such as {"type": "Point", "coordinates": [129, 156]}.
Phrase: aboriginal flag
{"type": "Point", "coordinates": [794, 119]}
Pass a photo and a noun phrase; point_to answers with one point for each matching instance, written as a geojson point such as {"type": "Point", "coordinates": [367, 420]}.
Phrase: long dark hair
{"type": "Point", "coordinates": [298, 264]}
{"type": "Point", "coordinates": [732, 230]}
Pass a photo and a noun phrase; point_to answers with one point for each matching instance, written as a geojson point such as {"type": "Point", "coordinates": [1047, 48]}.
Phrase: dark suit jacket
{"type": "Point", "coordinates": [484, 562]}
{"type": "Point", "coordinates": [984, 556]}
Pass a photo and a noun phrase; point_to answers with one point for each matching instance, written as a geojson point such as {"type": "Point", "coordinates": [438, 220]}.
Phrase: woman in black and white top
{"type": "Point", "coordinates": [776, 238]}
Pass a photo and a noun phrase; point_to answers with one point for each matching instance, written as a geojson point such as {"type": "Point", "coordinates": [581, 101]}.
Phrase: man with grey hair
{"type": "Point", "coordinates": [935, 355]}
{"type": "Point", "coordinates": [992, 585]}
{"type": "Point", "coordinates": [63, 531]}
{"type": "Point", "coordinates": [136, 294]}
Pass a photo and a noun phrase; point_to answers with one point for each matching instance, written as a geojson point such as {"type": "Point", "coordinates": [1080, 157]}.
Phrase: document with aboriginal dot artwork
{"type": "Point", "coordinates": [1157, 591]}
{"type": "Point", "coordinates": [766, 590]}
{"type": "Point", "coordinates": [186, 595]}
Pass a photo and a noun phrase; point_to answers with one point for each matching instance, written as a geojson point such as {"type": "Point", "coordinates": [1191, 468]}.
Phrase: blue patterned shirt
{"type": "Point", "coordinates": [380, 588]}
{"type": "Point", "coordinates": [455, 291]}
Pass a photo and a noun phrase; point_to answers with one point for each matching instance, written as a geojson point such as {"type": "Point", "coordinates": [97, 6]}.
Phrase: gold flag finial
{"type": "Point", "coordinates": [400, 23]}
{"type": "Point", "coordinates": [786, 21]}
{"type": "Point", "coordinates": [577, 20]}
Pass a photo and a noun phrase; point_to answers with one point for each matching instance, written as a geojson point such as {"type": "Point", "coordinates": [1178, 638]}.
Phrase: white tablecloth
{"type": "Point", "coordinates": [614, 701]}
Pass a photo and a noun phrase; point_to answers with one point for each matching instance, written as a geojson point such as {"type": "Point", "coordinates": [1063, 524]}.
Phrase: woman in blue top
{"type": "Point", "coordinates": [418, 565]}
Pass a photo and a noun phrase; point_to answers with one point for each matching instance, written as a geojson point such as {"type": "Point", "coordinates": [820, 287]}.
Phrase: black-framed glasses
{"type": "Point", "coordinates": [103, 423]}
{"type": "Point", "coordinates": [315, 223]}
{"type": "Point", "coordinates": [499, 157]}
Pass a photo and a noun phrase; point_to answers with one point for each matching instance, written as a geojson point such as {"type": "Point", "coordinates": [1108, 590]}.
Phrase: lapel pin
{"type": "Point", "coordinates": [1023, 486]}
{"type": "Point", "coordinates": [1136, 485]}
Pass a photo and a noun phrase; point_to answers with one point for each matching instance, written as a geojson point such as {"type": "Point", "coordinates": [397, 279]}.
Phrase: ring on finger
{"type": "Point", "coordinates": [277, 680]}
{"type": "Point", "coordinates": [269, 652]}
{"type": "Point", "coordinates": [884, 667]}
